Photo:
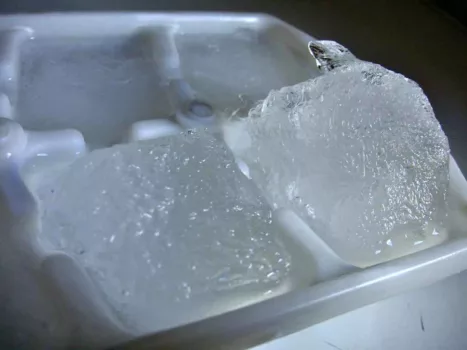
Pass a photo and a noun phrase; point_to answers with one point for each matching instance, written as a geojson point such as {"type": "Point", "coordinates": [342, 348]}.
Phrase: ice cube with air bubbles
{"type": "Point", "coordinates": [356, 152]}
{"type": "Point", "coordinates": [170, 229]}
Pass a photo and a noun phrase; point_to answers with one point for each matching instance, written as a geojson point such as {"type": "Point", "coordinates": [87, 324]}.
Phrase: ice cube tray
{"type": "Point", "coordinates": [76, 82]}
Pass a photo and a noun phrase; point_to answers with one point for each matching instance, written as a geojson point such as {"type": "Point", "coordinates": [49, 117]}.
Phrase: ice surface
{"type": "Point", "coordinates": [96, 85]}
{"type": "Point", "coordinates": [358, 154]}
{"type": "Point", "coordinates": [233, 71]}
{"type": "Point", "coordinates": [170, 228]}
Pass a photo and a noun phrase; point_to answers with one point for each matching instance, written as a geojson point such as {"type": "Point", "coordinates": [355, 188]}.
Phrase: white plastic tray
{"type": "Point", "coordinates": [83, 317]}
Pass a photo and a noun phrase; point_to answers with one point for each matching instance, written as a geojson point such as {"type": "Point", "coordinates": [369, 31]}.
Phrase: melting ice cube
{"type": "Point", "coordinates": [357, 153]}
{"type": "Point", "coordinates": [170, 229]}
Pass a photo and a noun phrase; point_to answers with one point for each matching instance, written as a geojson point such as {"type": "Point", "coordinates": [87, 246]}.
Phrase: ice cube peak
{"type": "Point", "coordinates": [329, 54]}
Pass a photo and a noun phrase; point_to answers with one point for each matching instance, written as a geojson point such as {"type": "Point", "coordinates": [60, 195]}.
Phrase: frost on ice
{"type": "Point", "coordinates": [356, 152]}
{"type": "Point", "coordinates": [170, 229]}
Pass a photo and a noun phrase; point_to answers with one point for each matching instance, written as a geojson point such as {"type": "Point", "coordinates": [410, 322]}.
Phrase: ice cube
{"type": "Point", "coordinates": [357, 153]}
{"type": "Point", "coordinates": [170, 229]}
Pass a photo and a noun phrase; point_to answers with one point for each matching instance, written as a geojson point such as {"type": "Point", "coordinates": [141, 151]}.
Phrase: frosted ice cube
{"type": "Point", "coordinates": [357, 153]}
{"type": "Point", "coordinates": [171, 229]}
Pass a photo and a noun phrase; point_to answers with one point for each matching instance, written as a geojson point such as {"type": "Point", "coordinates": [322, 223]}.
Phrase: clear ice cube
{"type": "Point", "coordinates": [170, 229]}
{"type": "Point", "coordinates": [357, 153]}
